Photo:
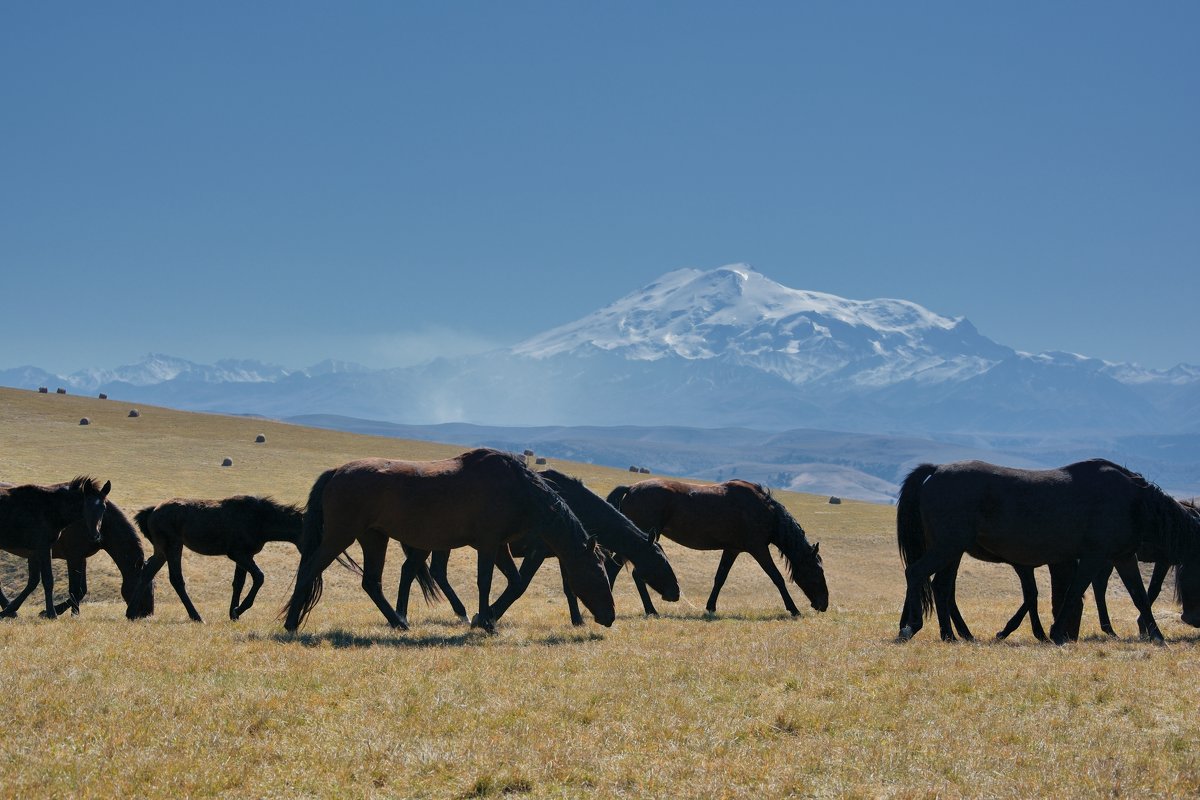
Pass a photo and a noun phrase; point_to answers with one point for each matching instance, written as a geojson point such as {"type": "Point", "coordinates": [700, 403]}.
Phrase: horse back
{"type": "Point", "coordinates": [702, 517]}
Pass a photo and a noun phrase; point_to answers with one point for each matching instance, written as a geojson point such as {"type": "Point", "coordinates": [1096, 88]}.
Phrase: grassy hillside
{"type": "Point", "coordinates": [748, 704]}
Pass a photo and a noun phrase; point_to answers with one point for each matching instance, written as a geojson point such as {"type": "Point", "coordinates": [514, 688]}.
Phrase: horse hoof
{"type": "Point", "coordinates": [795, 613]}
{"type": "Point", "coordinates": [1001, 636]}
{"type": "Point", "coordinates": [402, 624]}
{"type": "Point", "coordinates": [651, 615]}
{"type": "Point", "coordinates": [486, 624]}
{"type": "Point", "coordinates": [906, 633]}
{"type": "Point", "coordinates": [464, 619]}
{"type": "Point", "coordinates": [233, 616]}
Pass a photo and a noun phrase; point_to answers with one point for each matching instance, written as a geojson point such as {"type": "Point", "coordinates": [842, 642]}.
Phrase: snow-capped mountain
{"type": "Point", "coordinates": [705, 348]}
{"type": "Point", "coordinates": [803, 337]}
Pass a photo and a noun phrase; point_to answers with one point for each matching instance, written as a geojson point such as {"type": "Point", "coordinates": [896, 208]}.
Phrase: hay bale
{"type": "Point", "coordinates": [633, 469]}
{"type": "Point", "coordinates": [60, 390]}
{"type": "Point", "coordinates": [540, 460]}
{"type": "Point", "coordinates": [85, 421]}
{"type": "Point", "coordinates": [133, 412]}
{"type": "Point", "coordinates": [43, 390]}
{"type": "Point", "coordinates": [260, 438]}
{"type": "Point", "coordinates": [527, 453]}
{"type": "Point", "coordinates": [103, 396]}
{"type": "Point", "coordinates": [227, 462]}
{"type": "Point", "coordinates": [644, 471]}
{"type": "Point", "coordinates": [835, 501]}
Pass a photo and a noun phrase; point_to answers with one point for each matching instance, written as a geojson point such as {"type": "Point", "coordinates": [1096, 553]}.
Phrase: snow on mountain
{"type": "Point", "coordinates": [156, 368]}
{"type": "Point", "coordinates": [737, 313]}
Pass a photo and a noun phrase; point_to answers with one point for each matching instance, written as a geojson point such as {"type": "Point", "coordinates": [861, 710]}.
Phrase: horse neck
{"type": "Point", "coordinates": [283, 525]}
{"type": "Point", "coordinates": [121, 542]}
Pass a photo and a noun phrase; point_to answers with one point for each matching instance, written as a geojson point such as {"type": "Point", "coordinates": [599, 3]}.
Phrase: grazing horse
{"type": "Point", "coordinates": [610, 528]}
{"type": "Point", "coordinates": [482, 499]}
{"type": "Point", "coordinates": [1091, 514]}
{"type": "Point", "coordinates": [122, 543]}
{"type": "Point", "coordinates": [1060, 573]}
{"type": "Point", "coordinates": [31, 518]}
{"type": "Point", "coordinates": [236, 527]}
{"type": "Point", "coordinates": [734, 517]}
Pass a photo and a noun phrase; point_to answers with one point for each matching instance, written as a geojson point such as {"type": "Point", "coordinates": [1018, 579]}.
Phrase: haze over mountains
{"type": "Point", "coordinates": [729, 348]}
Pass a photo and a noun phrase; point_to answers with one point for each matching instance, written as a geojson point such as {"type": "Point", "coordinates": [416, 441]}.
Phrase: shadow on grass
{"type": "Point", "coordinates": [343, 639]}
{"type": "Point", "coordinates": [723, 616]}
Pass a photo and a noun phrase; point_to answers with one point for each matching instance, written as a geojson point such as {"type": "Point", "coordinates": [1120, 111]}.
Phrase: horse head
{"type": "Point", "coordinates": [93, 497]}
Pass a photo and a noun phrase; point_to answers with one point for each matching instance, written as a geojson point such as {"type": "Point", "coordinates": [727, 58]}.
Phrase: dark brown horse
{"type": "Point", "coordinates": [734, 517]}
{"type": "Point", "coordinates": [614, 532]}
{"type": "Point", "coordinates": [236, 527]}
{"type": "Point", "coordinates": [1090, 514]}
{"type": "Point", "coordinates": [122, 543]}
{"type": "Point", "coordinates": [482, 499]}
{"type": "Point", "coordinates": [31, 519]}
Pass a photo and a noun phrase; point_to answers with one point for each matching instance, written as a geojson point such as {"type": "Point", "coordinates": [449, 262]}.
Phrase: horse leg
{"type": "Point", "coordinates": [644, 593]}
{"type": "Point", "coordinates": [1156, 580]}
{"type": "Point", "coordinates": [374, 550]}
{"type": "Point", "coordinates": [916, 577]}
{"type": "Point", "coordinates": [1029, 594]}
{"type": "Point", "coordinates": [407, 574]}
{"type": "Point", "coordinates": [1061, 576]}
{"type": "Point", "coordinates": [76, 586]}
{"type": "Point", "coordinates": [175, 570]}
{"type": "Point", "coordinates": [146, 578]}
{"type": "Point", "coordinates": [483, 579]}
{"type": "Point", "coordinates": [239, 581]}
{"type": "Point", "coordinates": [727, 559]}
{"type": "Point", "coordinates": [572, 600]}
{"type": "Point", "coordinates": [1072, 600]}
{"type": "Point", "coordinates": [1099, 593]}
{"type": "Point", "coordinates": [1131, 576]}
{"type": "Point", "coordinates": [47, 582]}
{"type": "Point", "coordinates": [518, 583]}
{"type": "Point", "coordinates": [763, 557]}
{"type": "Point", "coordinates": [437, 568]}
{"type": "Point", "coordinates": [35, 574]}
{"type": "Point", "coordinates": [946, 605]}
{"type": "Point", "coordinates": [246, 564]}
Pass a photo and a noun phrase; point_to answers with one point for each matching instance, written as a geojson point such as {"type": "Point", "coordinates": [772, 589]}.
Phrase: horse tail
{"type": "Point", "coordinates": [910, 530]}
{"type": "Point", "coordinates": [311, 534]}
{"type": "Point", "coordinates": [616, 496]}
{"type": "Point", "coordinates": [429, 587]}
{"type": "Point", "coordinates": [142, 518]}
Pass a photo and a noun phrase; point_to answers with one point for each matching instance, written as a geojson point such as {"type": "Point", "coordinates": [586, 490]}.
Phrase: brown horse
{"type": "Point", "coordinates": [734, 517]}
{"type": "Point", "coordinates": [236, 527]}
{"type": "Point", "coordinates": [122, 543]}
{"type": "Point", "coordinates": [31, 518]}
{"type": "Point", "coordinates": [482, 499]}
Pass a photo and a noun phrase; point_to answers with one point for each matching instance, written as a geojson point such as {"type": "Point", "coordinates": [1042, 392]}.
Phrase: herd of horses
{"type": "Point", "coordinates": [1082, 520]}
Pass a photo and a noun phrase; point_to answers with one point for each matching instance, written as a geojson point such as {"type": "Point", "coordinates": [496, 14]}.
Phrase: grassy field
{"type": "Point", "coordinates": [750, 703]}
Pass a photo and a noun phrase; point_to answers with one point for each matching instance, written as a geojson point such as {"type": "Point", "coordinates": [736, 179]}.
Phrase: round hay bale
{"type": "Point", "coordinates": [644, 471]}
{"type": "Point", "coordinates": [835, 501]}
{"type": "Point", "coordinates": [133, 412]}
{"type": "Point", "coordinates": [60, 390]}
{"type": "Point", "coordinates": [85, 421]}
{"type": "Point", "coordinates": [262, 437]}
{"type": "Point", "coordinates": [103, 396]}
{"type": "Point", "coordinates": [633, 469]}
{"type": "Point", "coordinates": [527, 453]}
{"type": "Point", "coordinates": [43, 390]}
{"type": "Point", "coordinates": [540, 460]}
{"type": "Point", "coordinates": [228, 462]}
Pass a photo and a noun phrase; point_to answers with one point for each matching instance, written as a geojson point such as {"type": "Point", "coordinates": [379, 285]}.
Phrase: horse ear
{"type": "Point", "coordinates": [816, 548]}
{"type": "Point", "coordinates": [106, 488]}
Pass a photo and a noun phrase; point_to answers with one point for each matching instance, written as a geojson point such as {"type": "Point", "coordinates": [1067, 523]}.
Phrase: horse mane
{"type": "Point", "coordinates": [127, 539]}
{"type": "Point", "coordinates": [789, 536]}
{"type": "Point", "coordinates": [1163, 516]}
{"type": "Point", "coordinates": [84, 483]}
{"type": "Point", "coordinates": [549, 503]}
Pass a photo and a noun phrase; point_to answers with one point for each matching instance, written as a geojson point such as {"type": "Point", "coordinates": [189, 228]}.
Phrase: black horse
{"type": "Point", "coordinates": [734, 517]}
{"type": "Point", "coordinates": [1060, 575]}
{"type": "Point", "coordinates": [31, 519]}
{"type": "Point", "coordinates": [1090, 514]}
{"type": "Point", "coordinates": [236, 527]}
{"type": "Point", "coordinates": [623, 541]}
{"type": "Point", "coordinates": [122, 543]}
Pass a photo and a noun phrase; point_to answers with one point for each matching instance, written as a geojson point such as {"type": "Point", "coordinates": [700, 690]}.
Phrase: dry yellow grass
{"type": "Point", "coordinates": [750, 704]}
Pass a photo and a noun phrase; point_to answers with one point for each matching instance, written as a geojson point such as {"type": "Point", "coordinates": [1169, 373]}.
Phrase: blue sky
{"type": "Point", "coordinates": [384, 182]}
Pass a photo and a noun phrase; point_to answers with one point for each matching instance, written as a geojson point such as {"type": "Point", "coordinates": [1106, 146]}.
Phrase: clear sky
{"type": "Point", "coordinates": [383, 182]}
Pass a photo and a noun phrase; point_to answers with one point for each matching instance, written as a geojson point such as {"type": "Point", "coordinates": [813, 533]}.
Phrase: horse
{"type": "Point", "coordinates": [1090, 513]}
{"type": "Point", "coordinates": [482, 498]}
{"type": "Point", "coordinates": [122, 543]}
{"type": "Point", "coordinates": [734, 517]}
{"type": "Point", "coordinates": [1099, 591]}
{"type": "Point", "coordinates": [235, 527]}
{"type": "Point", "coordinates": [623, 540]}
{"type": "Point", "coordinates": [31, 519]}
